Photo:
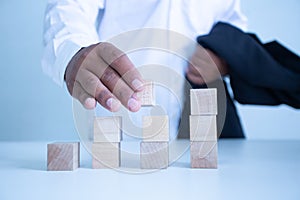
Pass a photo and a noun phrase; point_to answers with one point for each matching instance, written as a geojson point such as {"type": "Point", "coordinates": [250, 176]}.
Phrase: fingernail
{"type": "Point", "coordinates": [133, 105]}
{"type": "Point", "coordinates": [113, 104]}
{"type": "Point", "coordinates": [89, 103]}
{"type": "Point", "coordinates": [137, 84]}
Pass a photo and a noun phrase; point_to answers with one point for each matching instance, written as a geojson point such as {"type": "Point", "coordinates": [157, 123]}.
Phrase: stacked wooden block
{"type": "Point", "coordinates": [203, 128]}
{"type": "Point", "coordinates": [106, 145]}
{"type": "Point", "coordinates": [62, 156]}
{"type": "Point", "coordinates": [155, 145]}
{"type": "Point", "coordinates": [147, 96]}
{"type": "Point", "coordinates": [154, 149]}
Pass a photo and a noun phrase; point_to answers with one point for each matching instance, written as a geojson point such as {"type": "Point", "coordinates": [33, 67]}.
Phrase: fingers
{"type": "Point", "coordinates": [194, 76]}
{"type": "Point", "coordinates": [105, 74]}
{"type": "Point", "coordinates": [85, 99]}
{"type": "Point", "coordinates": [112, 80]}
{"type": "Point", "coordinates": [194, 71]}
{"type": "Point", "coordinates": [121, 64]}
{"type": "Point", "coordinates": [108, 90]}
{"type": "Point", "coordinates": [91, 84]}
{"type": "Point", "coordinates": [107, 99]}
{"type": "Point", "coordinates": [202, 68]}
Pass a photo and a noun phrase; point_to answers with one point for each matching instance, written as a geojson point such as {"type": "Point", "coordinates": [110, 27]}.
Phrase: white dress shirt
{"type": "Point", "coordinates": [72, 24]}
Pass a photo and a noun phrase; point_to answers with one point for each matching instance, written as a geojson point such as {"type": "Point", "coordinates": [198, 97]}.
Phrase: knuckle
{"type": "Point", "coordinates": [109, 76]}
{"type": "Point", "coordinates": [91, 81]}
{"type": "Point", "coordinates": [104, 44]}
{"type": "Point", "coordinates": [103, 95]}
{"type": "Point", "coordinates": [106, 47]}
{"type": "Point", "coordinates": [118, 59]}
{"type": "Point", "coordinates": [85, 52]}
{"type": "Point", "coordinates": [103, 47]}
{"type": "Point", "coordinates": [116, 55]}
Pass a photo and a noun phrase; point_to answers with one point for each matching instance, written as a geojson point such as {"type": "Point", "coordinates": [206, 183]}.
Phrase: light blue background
{"type": "Point", "coordinates": [32, 107]}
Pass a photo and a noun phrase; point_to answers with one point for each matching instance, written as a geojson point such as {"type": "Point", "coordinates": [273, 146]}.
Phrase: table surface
{"type": "Point", "coordinates": [247, 170]}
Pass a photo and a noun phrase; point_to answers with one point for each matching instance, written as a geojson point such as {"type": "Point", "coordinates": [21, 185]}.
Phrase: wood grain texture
{"type": "Point", "coordinates": [204, 154]}
{"type": "Point", "coordinates": [154, 155]}
{"type": "Point", "coordinates": [62, 156]}
{"type": "Point", "coordinates": [106, 155]}
{"type": "Point", "coordinates": [107, 129]}
{"type": "Point", "coordinates": [203, 128]}
{"type": "Point", "coordinates": [156, 128]}
{"type": "Point", "coordinates": [147, 96]}
{"type": "Point", "coordinates": [204, 101]}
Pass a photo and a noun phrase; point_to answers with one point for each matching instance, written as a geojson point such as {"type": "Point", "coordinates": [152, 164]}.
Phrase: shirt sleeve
{"type": "Point", "coordinates": [231, 13]}
{"type": "Point", "coordinates": [68, 26]}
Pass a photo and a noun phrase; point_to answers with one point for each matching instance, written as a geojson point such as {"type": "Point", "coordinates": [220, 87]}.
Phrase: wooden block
{"type": "Point", "coordinates": [147, 96]}
{"type": "Point", "coordinates": [62, 156]}
{"type": "Point", "coordinates": [154, 155]}
{"type": "Point", "coordinates": [203, 128]}
{"type": "Point", "coordinates": [106, 155]}
{"type": "Point", "coordinates": [204, 154]}
{"type": "Point", "coordinates": [204, 101]}
{"type": "Point", "coordinates": [107, 129]}
{"type": "Point", "coordinates": [156, 128]}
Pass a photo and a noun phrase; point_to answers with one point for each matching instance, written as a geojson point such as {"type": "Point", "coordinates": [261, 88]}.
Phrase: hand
{"type": "Point", "coordinates": [205, 66]}
{"type": "Point", "coordinates": [102, 73]}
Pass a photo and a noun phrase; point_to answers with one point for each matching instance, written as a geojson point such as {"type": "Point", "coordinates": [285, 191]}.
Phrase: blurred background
{"type": "Point", "coordinates": [32, 107]}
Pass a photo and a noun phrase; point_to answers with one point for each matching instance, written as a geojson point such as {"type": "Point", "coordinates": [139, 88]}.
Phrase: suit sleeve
{"type": "Point", "coordinates": [261, 74]}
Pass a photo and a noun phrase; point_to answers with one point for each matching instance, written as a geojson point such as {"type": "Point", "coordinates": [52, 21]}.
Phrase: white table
{"type": "Point", "coordinates": [247, 170]}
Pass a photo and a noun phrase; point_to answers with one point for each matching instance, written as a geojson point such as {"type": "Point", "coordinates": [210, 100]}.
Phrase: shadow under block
{"type": "Point", "coordinates": [156, 128]}
{"type": "Point", "coordinates": [147, 96]}
{"type": "Point", "coordinates": [204, 101]}
{"type": "Point", "coordinates": [106, 155]}
{"type": "Point", "coordinates": [62, 156]}
{"type": "Point", "coordinates": [203, 128]}
{"type": "Point", "coordinates": [154, 155]}
{"type": "Point", "coordinates": [204, 154]}
{"type": "Point", "coordinates": [107, 129]}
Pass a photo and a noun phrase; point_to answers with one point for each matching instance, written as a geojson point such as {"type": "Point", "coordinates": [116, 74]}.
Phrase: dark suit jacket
{"type": "Point", "coordinates": [262, 74]}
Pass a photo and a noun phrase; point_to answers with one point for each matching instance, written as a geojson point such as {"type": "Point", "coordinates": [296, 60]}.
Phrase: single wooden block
{"type": "Point", "coordinates": [107, 129]}
{"type": "Point", "coordinates": [106, 155]}
{"type": "Point", "coordinates": [62, 156]}
{"type": "Point", "coordinates": [156, 128]}
{"type": "Point", "coordinates": [154, 155]}
{"type": "Point", "coordinates": [147, 96]}
{"type": "Point", "coordinates": [204, 154]}
{"type": "Point", "coordinates": [203, 128]}
{"type": "Point", "coordinates": [204, 101]}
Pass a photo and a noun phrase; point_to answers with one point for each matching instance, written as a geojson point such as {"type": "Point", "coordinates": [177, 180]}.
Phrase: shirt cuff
{"type": "Point", "coordinates": [66, 51]}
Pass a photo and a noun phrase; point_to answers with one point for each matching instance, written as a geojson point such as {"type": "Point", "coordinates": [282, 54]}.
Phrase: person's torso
{"type": "Point", "coordinates": [159, 37]}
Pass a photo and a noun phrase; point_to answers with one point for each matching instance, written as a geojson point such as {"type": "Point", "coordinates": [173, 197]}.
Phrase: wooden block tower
{"type": "Point", "coordinates": [155, 145]}
{"type": "Point", "coordinates": [106, 146]}
{"type": "Point", "coordinates": [203, 128]}
{"type": "Point", "coordinates": [154, 149]}
{"type": "Point", "coordinates": [63, 156]}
